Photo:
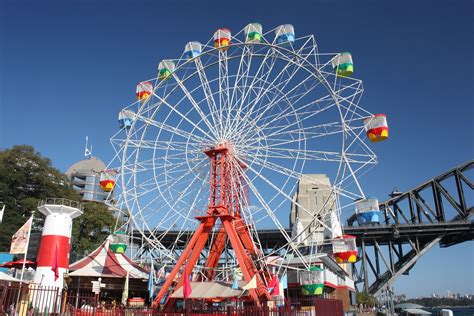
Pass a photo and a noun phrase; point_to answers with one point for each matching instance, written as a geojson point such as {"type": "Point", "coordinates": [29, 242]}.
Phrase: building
{"type": "Point", "coordinates": [84, 177]}
{"type": "Point", "coordinates": [313, 199]}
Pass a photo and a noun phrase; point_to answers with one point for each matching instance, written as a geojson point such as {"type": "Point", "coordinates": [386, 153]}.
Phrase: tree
{"type": "Point", "coordinates": [90, 229]}
{"type": "Point", "coordinates": [26, 178]}
{"type": "Point", "coordinates": [366, 299]}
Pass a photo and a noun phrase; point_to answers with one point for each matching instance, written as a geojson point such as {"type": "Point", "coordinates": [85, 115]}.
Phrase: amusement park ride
{"type": "Point", "coordinates": [247, 116]}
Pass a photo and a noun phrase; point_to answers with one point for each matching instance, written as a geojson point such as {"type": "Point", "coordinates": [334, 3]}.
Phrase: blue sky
{"type": "Point", "coordinates": [67, 68]}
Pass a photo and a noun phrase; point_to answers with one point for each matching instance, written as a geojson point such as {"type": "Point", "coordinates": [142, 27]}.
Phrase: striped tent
{"type": "Point", "coordinates": [104, 263]}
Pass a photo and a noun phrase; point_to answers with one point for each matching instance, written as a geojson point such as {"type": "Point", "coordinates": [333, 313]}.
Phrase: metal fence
{"type": "Point", "coordinates": [32, 300]}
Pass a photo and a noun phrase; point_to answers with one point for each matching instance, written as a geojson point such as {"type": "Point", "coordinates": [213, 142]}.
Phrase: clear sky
{"type": "Point", "coordinates": [68, 67]}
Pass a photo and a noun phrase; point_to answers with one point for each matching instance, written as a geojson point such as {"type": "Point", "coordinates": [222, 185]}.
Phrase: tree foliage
{"type": "Point", "coordinates": [441, 301]}
{"type": "Point", "coordinates": [366, 299]}
{"type": "Point", "coordinates": [26, 178]}
{"type": "Point", "coordinates": [90, 229]}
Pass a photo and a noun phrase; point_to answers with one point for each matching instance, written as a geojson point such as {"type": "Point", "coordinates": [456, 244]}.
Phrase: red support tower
{"type": "Point", "coordinates": [225, 193]}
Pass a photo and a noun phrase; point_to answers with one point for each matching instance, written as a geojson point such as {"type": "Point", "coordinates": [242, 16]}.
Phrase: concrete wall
{"type": "Point", "coordinates": [314, 199]}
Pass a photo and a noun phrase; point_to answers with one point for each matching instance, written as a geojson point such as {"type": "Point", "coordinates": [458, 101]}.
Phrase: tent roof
{"type": "Point", "coordinates": [103, 262]}
{"type": "Point", "coordinates": [208, 290]}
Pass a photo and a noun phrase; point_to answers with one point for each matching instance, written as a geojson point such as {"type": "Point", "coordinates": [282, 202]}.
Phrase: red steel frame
{"type": "Point", "coordinates": [223, 205]}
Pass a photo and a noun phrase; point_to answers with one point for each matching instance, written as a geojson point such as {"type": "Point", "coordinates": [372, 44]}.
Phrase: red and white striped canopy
{"type": "Point", "coordinates": [102, 262]}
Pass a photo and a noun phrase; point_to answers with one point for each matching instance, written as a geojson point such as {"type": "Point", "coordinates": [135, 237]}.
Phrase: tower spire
{"type": "Point", "coordinates": [87, 150]}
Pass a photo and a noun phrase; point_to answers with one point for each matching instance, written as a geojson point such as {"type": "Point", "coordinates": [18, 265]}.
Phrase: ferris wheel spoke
{"type": "Point", "coordinates": [177, 131]}
{"type": "Point", "coordinates": [262, 92]}
{"type": "Point", "coordinates": [223, 91]}
{"type": "Point", "coordinates": [305, 112]}
{"type": "Point", "coordinates": [244, 78]}
{"type": "Point", "coordinates": [274, 102]}
{"type": "Point", "coordinates": [194, 104]}
{"type": "Point", "coordinates": [306, 154]}
{"type": "Point", "coordinates": [242, 71]}
{"type": "Point", "coordinates": [282, 193]}
{"type": "Point", "coordinates": [206, 88]}
{"type": "Point", "coordinates": [158, 144]}
{"type": "Point", "coordinates": [171, 213]}
{"type": "Point", "coordinates": [184, 117]}
{"type": "Point", "coordinates": [294, 136]}
{"type": "Point", "coordinates": [296, 175]}
{"type": "Point", "coordinates": [259, 78]}
{"type": "Point", "coordinates": [139, 167]}
{"type": "Point", "coordinates": [272, 216]}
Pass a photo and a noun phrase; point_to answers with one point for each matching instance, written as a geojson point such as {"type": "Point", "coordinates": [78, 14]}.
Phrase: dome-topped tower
{"type": "Point", "coordinates": [84, 176]}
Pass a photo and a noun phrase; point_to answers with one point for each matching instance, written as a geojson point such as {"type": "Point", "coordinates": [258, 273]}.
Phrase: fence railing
{"type": "Point", "coordinates": [32, 300]}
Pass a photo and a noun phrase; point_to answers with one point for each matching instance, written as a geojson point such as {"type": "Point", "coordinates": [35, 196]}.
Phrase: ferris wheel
{"type": "Point", "coordinates": [237, 122]}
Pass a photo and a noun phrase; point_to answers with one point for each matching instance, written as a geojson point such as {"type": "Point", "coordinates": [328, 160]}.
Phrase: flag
{"type": "Point", "coordinates": [55, 264]}
{"type": "Point", "coordinates": [235, 284]}
{"type": "Point", "coordinates": [187, 290]}
{"type": "Point", "coordinates": [151, 281]}
{"type": "Point", "coordinates": [20, 238]}
{"type": "Point", "coordinates": [125, 291]}
{"type": "Point", "coordinates": [251, 285]}
{"type": "Point", "coordinates": [161, 274]}
{"type": "Point", "coordinates": [274, 286]}
{"type": "Point", "coordinates": [1, 213]}
{"type": "Point", "coordinates": [283, 285]}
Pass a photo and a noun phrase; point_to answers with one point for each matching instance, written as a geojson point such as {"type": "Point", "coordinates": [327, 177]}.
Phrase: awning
{"type": "Point", "coordinates": [7, 278]}
{"type": "Point", "coordinates": [18, 264]}
{"type": "Point", "coordinates": [210, 290]}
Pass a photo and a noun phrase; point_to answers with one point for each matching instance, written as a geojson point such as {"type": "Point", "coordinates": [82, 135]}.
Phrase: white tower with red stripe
{"type": "Point", "coordinates": [53, 254]}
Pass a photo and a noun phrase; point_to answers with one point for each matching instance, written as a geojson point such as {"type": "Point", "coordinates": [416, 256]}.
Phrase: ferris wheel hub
{"type": "Point", "coordinates": [223, 147]}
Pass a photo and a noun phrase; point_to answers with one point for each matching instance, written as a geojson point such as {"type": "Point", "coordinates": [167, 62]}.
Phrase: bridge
{"type": "Point", "coordinates": [436, 212]}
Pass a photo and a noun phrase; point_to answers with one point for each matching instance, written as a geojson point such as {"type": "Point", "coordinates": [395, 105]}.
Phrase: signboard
{"type": "Point", "coordinates": [96, 286]}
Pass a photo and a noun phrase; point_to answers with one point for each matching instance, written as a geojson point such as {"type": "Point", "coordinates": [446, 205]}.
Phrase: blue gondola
{"type": "Point", "coordinates": [126, 118]}
{"type": "Point", "coordinates": [367, 211]}
{"type": "Point", "coordinates": [285, 34]}
{"type": "Point", "coordinates": [192, 50]}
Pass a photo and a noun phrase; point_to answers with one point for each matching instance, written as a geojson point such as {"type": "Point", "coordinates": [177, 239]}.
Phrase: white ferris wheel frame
{"type": "Point", "coordinates": [221, 126]}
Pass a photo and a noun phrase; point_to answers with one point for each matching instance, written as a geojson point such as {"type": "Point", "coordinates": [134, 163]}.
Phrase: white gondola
{"type": "Point", "coordinates": [144, 90]}
{"type": "Point", "coordinates": [107, 180]}
{"type": "Point", "coordinates": [376, 127]}
{"type": "Point", "coordinates": [165, 69]}
{"type": "Point", "coordinates": [345, 249]}
{"type": "Point", "coordinates": [342, 65]}
{"type": "Point", "coordinates": [222, 38]}
{"type": "Point", "coordinates": [253, 33]}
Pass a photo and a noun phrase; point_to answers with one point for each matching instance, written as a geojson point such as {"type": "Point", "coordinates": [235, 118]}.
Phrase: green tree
{"type": "Point", "coordinates": [26, 178]}
{"type": "Point", "coordinates": [90, 229]}
{"type": "Point", "coordinates": [366, 299]}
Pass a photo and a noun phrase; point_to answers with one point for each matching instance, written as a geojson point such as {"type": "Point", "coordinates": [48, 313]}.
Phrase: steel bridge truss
{"type": "Point", "coordinates": [436, 212]}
